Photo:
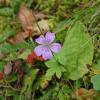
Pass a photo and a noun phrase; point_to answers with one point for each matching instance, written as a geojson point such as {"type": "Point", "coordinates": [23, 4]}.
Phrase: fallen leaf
{"type": "Point", "coordinates": [26, 18]}
{"type": "Point", "coordinates": [84, 93]}
{"type": "Point", "coordinates": [19, 70]}
{"type": "Point", "coordinates": [29, 26]}
{"type": "Point", "coordinates": [4, 2]}
{"type": "Point", "coordinates": [8, 68]}
{"type": "Point", "coordinates": [35, 57]}
{"type": "Point", "coordinates": [39, 15]}
{"type": "Point", "coordinates": [81, 91]}
{"type": "Point", "coordinates": [18, 66]}
{"type": "Point", "coordinates": [20, 37]}
{"type": "Point", "coordinates": [1, 75]}
{"type": "Point", "coordinates": [2, 55]}
{"type": "Point", "coordinates": [92, 92]}
{"type": "Point", "coordinates": [32, 57]}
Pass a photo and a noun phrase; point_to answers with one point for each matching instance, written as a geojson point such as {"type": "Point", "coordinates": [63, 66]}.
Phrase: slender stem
{"type": "Point", "coordinates": [9, 87]}
{"type": "Point", "coordinates": [37, 24]}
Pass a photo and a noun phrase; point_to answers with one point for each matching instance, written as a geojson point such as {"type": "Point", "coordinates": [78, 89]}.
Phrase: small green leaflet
{"type": "Point", "coordinates": [54, 68]}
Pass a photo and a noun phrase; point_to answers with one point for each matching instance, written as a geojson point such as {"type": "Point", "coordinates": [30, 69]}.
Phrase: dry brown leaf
{"type": "Point", "coordinates": [33, 57]}
{"type": "Point", "coordinates": [4, 2]}
{"type": "Point", "coordinates": [2, 55]}
{"type": "Point", "coordinates": [20, 37]}
{"type": "Point", "coordinates": [39, 15]}
{"type": "Point", "coordinates": [92, 92]}
{"type": "Point", "coordinates": [18, 67]}
{"type": "Point", "coordinates": [28, 20]}
{"type": "Point", "coordinates": [1, 75]}
{"type": "Point", "coordinates": [26, 17]}
{"type": "Point", "coordinates": [19, 70]}
{"type": "Point", "coordinates": [8, 68]}
{"type": "Point", "coordinates": [84, 93]}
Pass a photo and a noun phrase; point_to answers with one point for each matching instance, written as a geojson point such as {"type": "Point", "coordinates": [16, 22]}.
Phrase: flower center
{"type": "Point", "coordinates": [47, 44]}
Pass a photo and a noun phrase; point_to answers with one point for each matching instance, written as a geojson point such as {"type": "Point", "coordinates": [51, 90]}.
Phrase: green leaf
{"type": "Point", "coordinates": [28, 2]}
{"type": "Point", "coordinates": [66, 89]}
{"type": "Point", "coordinates": [61, 96]}
{"type": "Point", "coordinates": [6, 11]}
{"type": "Point", "coordinates": [54, 68]}
{"type": "Point", "coordinates": [7, 47]}
{"type": "Point", "coordinates": [47, 95]}
{"type": "Point", "coordinates": [7, 33]}
{"type": "Point", "coordinates": [96, 81]}
{"type": "Point", "coordinates": [28, 82]}
{"type": "Point", "coordinates": [11, 78]}
{"type": "Point", "coordinates": [41, 82]}
{"type": "Point", "coordinates": [19, 97]}
{"type": "Point", "coordinates": [6, 24]}
{"type": "Point", "coordinates": [15, 4]}
{"type": "Point", "coordinates": [10, 92]}
{"type": "Point", "coordinates": [2, 97]}
{"type": "Point", "coordinates": [77, 51]}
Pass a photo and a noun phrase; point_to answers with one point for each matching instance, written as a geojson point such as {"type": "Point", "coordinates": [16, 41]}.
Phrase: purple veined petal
{"type": "Point", "coordinates": [39, 50]}
{"type": "Point", "coordinates": [55, 47]}
{"type": "Point", "coordinates": [40, 40]}
{"type": "Point", "coordinates": [50, 37]}
{"type": "Point", "coordinates": [47, 54]}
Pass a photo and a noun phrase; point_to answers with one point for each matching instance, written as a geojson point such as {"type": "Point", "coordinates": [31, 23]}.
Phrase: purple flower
{"type": "Point", "coordinates": [46, 46]}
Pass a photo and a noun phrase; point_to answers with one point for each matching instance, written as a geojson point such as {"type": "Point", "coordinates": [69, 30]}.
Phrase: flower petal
{"type": "Point", "coordinates": [50, 37]}
{"type": "Point", "coordinates": [55, 47]}
{"type": "Point", "coordinates": [39, 50]}
{"type": "Point", "coordinates": [47, 54]}
{"type": "Point", "coordinates": [40, 40]}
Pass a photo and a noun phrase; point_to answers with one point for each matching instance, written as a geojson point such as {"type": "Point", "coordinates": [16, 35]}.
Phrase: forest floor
{"type": "Point", "coordinates": [49, 50]}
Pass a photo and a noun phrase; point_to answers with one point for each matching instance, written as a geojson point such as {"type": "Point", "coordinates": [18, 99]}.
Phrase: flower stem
{"type": "Point", "coordinates": [37, 24]}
